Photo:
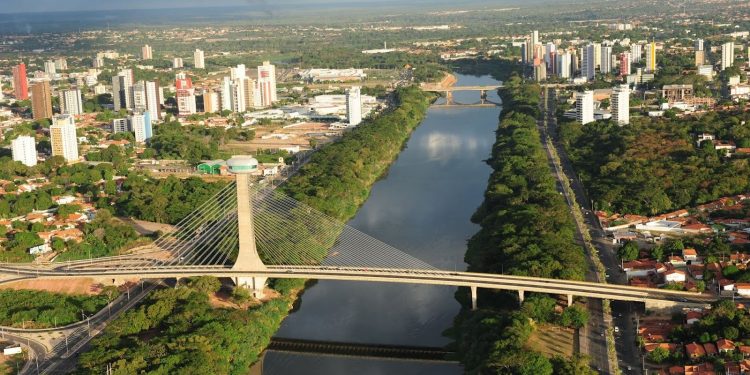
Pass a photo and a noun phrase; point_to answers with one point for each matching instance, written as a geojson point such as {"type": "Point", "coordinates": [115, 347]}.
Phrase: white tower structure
{"type": "Point", "coordinates": [24, 150]}
{"type": "Point", "coordinates": [585, 107]}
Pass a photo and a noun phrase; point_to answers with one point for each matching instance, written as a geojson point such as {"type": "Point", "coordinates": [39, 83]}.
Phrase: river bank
{"type": "Point", "coordinates": [237, 337]}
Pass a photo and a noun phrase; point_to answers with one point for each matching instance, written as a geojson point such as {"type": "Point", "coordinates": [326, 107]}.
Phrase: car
{"type": "Point", "coordinates": [683, 299]}
{"type": "Point", "coordinates": [617, 329]}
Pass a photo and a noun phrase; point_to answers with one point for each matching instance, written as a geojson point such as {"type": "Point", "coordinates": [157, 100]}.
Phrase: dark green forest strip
{"type": "Point", "coordinates": [526, 229]}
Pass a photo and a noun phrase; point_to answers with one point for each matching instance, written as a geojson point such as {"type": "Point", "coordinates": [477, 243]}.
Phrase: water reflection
{"type": "Point", "coordinates": [423, 207]}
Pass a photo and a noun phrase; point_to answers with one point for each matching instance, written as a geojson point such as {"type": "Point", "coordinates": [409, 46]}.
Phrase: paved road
{"type": "Point", "coordinates": [592, 341]}
{"type": "Point", "coordinates": [624, 313]}
{"type": "Point", "coordinates": [58, 352]}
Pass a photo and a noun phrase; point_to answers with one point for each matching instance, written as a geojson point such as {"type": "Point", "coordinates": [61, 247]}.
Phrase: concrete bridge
{"type": "Point", "coordinates": [448, 91]}
{"type": "Point", "coordinates": [250, 271]}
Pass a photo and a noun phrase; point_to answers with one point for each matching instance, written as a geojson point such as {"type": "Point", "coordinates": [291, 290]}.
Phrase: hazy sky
{"type": "Point", "coordinates": [14, 6]}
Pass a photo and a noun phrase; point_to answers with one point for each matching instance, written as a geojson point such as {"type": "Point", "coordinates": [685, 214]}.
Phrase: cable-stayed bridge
{"type": "Point", "coordinates": [252, 232]}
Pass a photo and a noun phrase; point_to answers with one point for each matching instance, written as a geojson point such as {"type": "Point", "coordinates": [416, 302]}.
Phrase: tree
{"type": "Point", "coordinates": [658, 355]}
{"type": "Point", "coordinates": [58, 244]}
{"type": "Point", "coordinates": [574, 316]}
{"type": "Point", "coordinates": [629, 251]}
{"type": "Point", "coordinates": [578, 364]}
{"type": "Point", "coordinates": [730, 333]}
{"type": "Point", "coordinates": [539, 307]}
{"type": "Point", "coordinates": [657, 252]}
{"type": "Point", "coordinates": [241, 295]}
{"type": "Point", "coordinates": [534, 363]}
{"type": "Point", "coordinates": [205, 284]}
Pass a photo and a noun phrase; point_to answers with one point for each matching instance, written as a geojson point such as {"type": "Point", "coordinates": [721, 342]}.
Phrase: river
{"type": "Point", "coordinates": [423, 207]}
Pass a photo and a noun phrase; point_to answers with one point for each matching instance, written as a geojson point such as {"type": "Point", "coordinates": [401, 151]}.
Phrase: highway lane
{"type": "Point", "coordinates": [624, 313]}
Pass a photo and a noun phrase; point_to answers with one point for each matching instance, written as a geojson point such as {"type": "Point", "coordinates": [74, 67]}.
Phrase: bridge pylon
{"type": "Point", "coordinates": [248, 259]}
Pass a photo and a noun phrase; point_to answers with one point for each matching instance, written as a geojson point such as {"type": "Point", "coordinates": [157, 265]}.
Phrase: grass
{"type": "Point", "coordinates": [551, 340]}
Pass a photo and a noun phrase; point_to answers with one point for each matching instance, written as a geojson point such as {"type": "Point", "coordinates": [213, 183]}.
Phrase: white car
{"type": "Point", "coordinates": [617, 329]}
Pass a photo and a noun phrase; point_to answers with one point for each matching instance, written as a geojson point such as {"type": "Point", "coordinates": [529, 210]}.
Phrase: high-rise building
{"type": "Point", "coordinates": [20, 82]}
{"type": "Point", "coordinates": [98, 62]}
{"type": "Point", "coordinates": [727, 55]}
{"type": "Point", "coordinates": [237, 95]}
{"type": "Point", "coordinates": [625, 64]}
{"type": "Point", "coordinates": [50, 69]}
{"type": "Point", "coordinates": [63, 137]}
{"type": "Point", "coordinates": [24, 150]}
{"type": "Point", "coordinates": [525, 53]}
{"type": "Point", "coordinates": [240, 72]}
{"type": "Point", "coordinates": [606, 63]}
{"type": "Point", "coordinates": [267, 84]}
{"type": "Point", "coordinates": [61, 64]}
{"type": "Point", "coordinates": [598, 55]}
{"type": "Point", "coordinates": [700, 57]}
{"type": "Point", "coordinates": [549, 49]}
{"type": "Point", "coordinates": [120, 125]}
{"type": "Point", "coordinates": [146, 98]}
{"type": "Point", "coordinates": [621, 104]}
{"type": "Point", "coordinates": [588, 65]}
{"type": "Point", "coordinates": [185, 95]}
{"type": "Point", "coordinates": [177, 63]}
{"type": "Point", "coordinates": [122, 90]}
{"type": "Point", "coordinates": [41, 100]}
{"type": "Point", "coordinates": [199, 59]}
{"type": "Point", "coordinates": [140, 123]}
{"type": "Point", "coordinates": [636, 53]}
{"type": "Point", "coordinates": [147, 52]}
{"type": "Point", "coordinates": [564, 65]}
{"type": "Point", "coordinates": [585, 107]}
{"type": "Point", "coordinates": [651, 57]}
{"type": "Point", "coordinates": [699, 44]}
{"type": "Point", "coordinates": [225, 94]}
{"type": "Point", "coordinates": [252, 93]}
{"type": "Point", "coordinates": [211, 102]}
{"type": "Point", "coordinates": [535, 37]}
{"type": "Point", "coordinates": [71, 102]}
{"type": "Point", "coordinates": [540, 70]}
{"type": "Point", "coordinates": [354, 106]}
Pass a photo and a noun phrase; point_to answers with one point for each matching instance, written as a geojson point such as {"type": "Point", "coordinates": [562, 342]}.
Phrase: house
{"type": "Point", "coordinates": [689, 255]}
{"type": "Point", "coordinates": [697, 228]}
{"type": "Point", "coordinates": [745, 350]}
{"type": "Point", "coordinates": [700, 369]}
{"type": "Point", "coordinates": [710, 349]}
{"type": "Point", "coordinates": [674, 370]}
{"type": "Point", "coordinates": [693, 317]}
{"type": "Point", "coordinates": [726, 285]}
{"type": "Point", "coordinates": [743, 289]}
{"type": "Point", "coordinates": [676, 261]}
{"type": "Point", "coordinates": [696, 271]}
{"type": "Point", "coordinates": [41, 249]}
{"type": "Point", "coordinates": [732, 368]}
{"type": "Point", "coordinates": [725, 346]}
{"type": "Point", "coordinates": [675, 276]}
{"type": "Point", "coordinates": [695, 351]}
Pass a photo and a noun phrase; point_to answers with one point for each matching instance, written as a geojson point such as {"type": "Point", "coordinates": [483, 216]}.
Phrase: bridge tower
{"type": "Point", "coordinates": [248, 259]}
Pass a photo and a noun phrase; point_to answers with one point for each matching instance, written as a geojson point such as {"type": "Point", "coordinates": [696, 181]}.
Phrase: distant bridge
{"type": "Point", "coordinates": [448, 91]}
{"type": "Point", "coordinates": [346, 349]}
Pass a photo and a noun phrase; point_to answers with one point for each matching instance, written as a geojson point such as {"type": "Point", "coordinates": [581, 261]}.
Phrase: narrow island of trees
{"type": "Point", "coordinates": [526, 229]}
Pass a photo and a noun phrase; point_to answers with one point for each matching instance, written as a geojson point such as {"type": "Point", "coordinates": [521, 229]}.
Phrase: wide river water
{"type": "Point", "coordinates": [423, 207]}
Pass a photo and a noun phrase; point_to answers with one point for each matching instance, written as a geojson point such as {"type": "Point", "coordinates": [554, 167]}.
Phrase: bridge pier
{"type": "Point", "coordinates": [248, 259]}
{"type": "Point", "coordinates": [520, 296]}
{"type": "Point", "coordinates": [448, 97]}
{"type": "Point", "coordinates": [255, 284]}
{"type": "Point", "coordinates": [473, 297]}
{"type": "Point", "coordinates": [570, 300]}
{"type": "Point", "coordinates": [483, 96]}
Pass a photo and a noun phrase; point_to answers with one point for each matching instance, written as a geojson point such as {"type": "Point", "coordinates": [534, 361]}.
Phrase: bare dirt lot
{"type": "Point", "coordinates": [85, 286]}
